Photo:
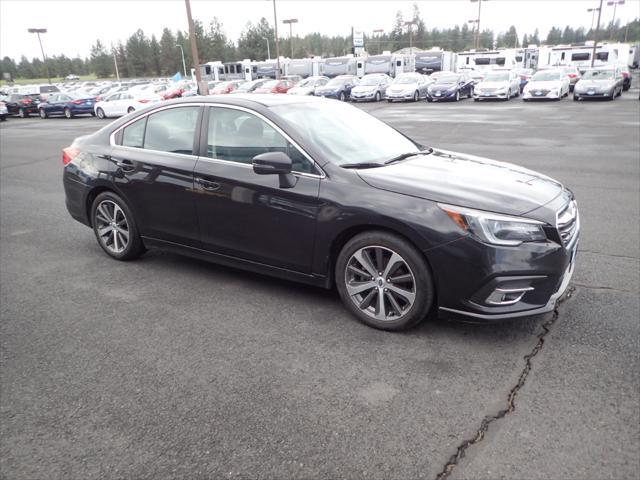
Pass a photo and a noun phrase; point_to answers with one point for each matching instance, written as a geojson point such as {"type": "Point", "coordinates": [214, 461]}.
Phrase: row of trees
{"type": "Point", "coordinates": [141, 55]}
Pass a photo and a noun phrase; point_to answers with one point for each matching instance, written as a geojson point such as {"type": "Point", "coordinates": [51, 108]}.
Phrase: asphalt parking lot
{"type": "Point", "coordinates": [171, 368]}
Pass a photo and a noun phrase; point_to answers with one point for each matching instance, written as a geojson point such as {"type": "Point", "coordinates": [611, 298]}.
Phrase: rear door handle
{"type": "Point", "coordinates": [126, 165]}
{"type": "Point", "coordinates": [207, 184]}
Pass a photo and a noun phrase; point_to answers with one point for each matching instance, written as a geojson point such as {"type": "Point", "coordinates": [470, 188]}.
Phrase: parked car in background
{"type": "Point", "coordinates": [295, 79]}
{"type": "Point", "coordinates": [408, 86]}
{"type": "Point", "coordinates": [189, 90]}
{"type": "Point", "coordinates": [339, 87]}
{"type": "Point", "coordinates": [525, 74]}
{"type": "Point", "coordinates": [453, 87]}
{"type": "Point", "coordinates": [600, 82]}
{"type": "Point", "coordinates": [308, 85]}
{"type": "Point", "coordinates": [250, 86]}
{"type": "Point", "coordinates": [626, 77]}
{"type": "Point", "coordinates": [67, 104]}
{"type": "Point", "coordinates": [22, 105]}
{"type": "Point", "coordinates": [173, 91]}
{"type": "Point", "coordinates": [4, 111]}
{"type": "Point", "coordinates": [121, 103]}
{"type": "Point", "coordinates": [274, 86]}
{"type": "Point", "coordinates": [550, 84]}
{"type": "Point", "coordinates": [224, 88]}
{"type": "Point", "coordinates": [371, 87]}
{"type": "Point", "coordinates": [497, 84]}
{"type": "Point", "coordinates": [574, 75]}
{"type": "Point", "coordinates": [324, 193]}
{"type": "Point", "coordinates": [41, 90]}
{"type": "Point", "coordinates": [72, 77]}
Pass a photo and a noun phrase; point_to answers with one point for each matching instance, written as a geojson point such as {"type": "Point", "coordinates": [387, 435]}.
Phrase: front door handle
{"type": "Point", "coordinates": [207, 184]}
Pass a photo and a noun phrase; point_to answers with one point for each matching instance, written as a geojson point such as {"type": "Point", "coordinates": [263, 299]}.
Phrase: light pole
{"type": "Point", "coordinates": [615, 4]}
{"type": "Point", "coordinates": [478, 20]}
{"type": "Point", "coordinates": [184, 65]}
{"type": "Point", "coordinates": [290, 21]}
{"type": "Point", "coordinates": [409, 24]}
{"type": "Point", "coordinates": [595, 38]}
{"type": "Point", "coordinates": [203, 87]}
{"type": "Point", "coordinates": [38, 31]}
{"type": "Point", "coordinates": [474, 23]}
{"type": "Point", "coordinates": [115, 63]}
{"type": "Point", "coordinates": [379, 32]}
{"type": "Point", "coordinates": [593, 13]}
{"type": "Point", "coordinates": [275, 26]}
{"type": "Point", "coordinates": [268, 51]}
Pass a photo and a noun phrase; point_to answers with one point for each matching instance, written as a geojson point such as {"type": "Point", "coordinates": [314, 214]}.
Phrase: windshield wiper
{"type": "Point", "coordinates": [408, 155]}
{"type": "Point", "coordinates": [362, 165]}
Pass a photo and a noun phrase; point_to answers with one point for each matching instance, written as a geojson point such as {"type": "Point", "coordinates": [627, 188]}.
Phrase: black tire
{"type": "Point", "coordinates": [378, 97]}
{"type": "Point", "coordinates": [457, 96]}
{"type": "Point", "coordinates": [3, 119]}
{"type": "Point", "coordinates": [100, 113]}
{"type": "Point", "coordinates": [131, 109]}
{"type": "Point", "coordinates": [416, 96]}
{"type": "Point", "coordinates": [476, 99]}
{"type": "Point", "coordinates": [134, 247]}
{"type": "Point", "coordinates": [575, 98]}
{"type": "Point", "coordinates": [22, 113]}
{"type": "Point", "coordinates": [423, 283]}
{"type": "Point", "coordinates": [342, 97]}
{"type": "Point", "coordinates": [67, 113]}
{"type": "Point", "coordinates": [42, 113]}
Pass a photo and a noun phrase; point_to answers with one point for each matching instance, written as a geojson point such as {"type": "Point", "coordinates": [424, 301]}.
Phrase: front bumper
{"type": "Point", "coordinates": [335, 95]}
{"type": "Point", "coordinates": [408, 95]}
{"type": "Point", "coordinates": [534, 95]}
{"type": "Point", "coordinates": [592, 94]}
{"type": "Point", "coordinates": [360, 97]}
{"type": "Point", "coordinates": [480, 282]}
{"type": "Point", "coordinates": [442, 95]}
{"type": "Point", "coordinates": [490, 95]}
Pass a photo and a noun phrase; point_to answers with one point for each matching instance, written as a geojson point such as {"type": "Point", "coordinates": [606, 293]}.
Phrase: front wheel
{"type": "Point", "coordinates": [384, 281]}
{"type": "Point", "coordinates": [67, 113]}
{"type": "Point", "coordinates": [342, 97]}
{"type": "Point", "coordinates": [378, 97]}
{"type": "Point", "coordinates": [458, 96]}
{"type": "Point", "coordinates": [115, 227]}
{"type": "Point", "coordinates": [100, 113]}
{"type": "Point", "coordinates": [42, 113]}
{"type": "Point", "coordinates": [416, 96]}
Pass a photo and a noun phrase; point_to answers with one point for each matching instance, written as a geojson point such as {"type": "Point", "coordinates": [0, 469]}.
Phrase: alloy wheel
{"type": "Point", "coordinates": [43, 114]}
{"type": "Point", "coordinates": [67, 113]}
{"type": "Point", "coordinates": [112, 226]}
{"type": "Point", "coordinates": [380, 283]}
{"type": "Point", "coordinates": [100, 113]}
{"type": "Point", "coordinates": [416, 97]}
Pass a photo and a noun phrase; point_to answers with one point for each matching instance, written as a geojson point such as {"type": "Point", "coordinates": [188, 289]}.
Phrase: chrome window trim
{"type": "Point", "coordinates": [222, 105]}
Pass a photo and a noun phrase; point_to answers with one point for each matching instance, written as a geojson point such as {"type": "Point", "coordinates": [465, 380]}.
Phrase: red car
{"type": "Point", "coordinates": [275, 86]}
{"type": "Point", "coordinates": [170, 93]}
{"type": "Point", "coordinates": [224, 88]}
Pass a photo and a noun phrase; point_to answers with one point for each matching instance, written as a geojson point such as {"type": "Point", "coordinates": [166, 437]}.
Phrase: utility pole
{"type": "Point", "coordinates": [593, 14]}
{"type": "Point", "coordinates": [409, 24]}
{"type": "Point", "coordinates": [184, 66]}
{"type": "Point", "coordinates": [595, 38]}
{"type": "Point", "coordinates": [478, 21]}
{"type": "Point", "coordinates": [203, 88]}
{"type": "Point", "coordinates": [615, 4]}
{"type": "Point", "coordinates": [268, 51]}
{"type": "Point", "coordinates": [44, 58]}
{"type": "Point", "coordinates": [275, 26]}
{"type": "Point", "coordinates": [379, 32]}
{"type": "Point", "coordinates": [291, 21]}
{"type": "Point", "coordinates": [115, 63]}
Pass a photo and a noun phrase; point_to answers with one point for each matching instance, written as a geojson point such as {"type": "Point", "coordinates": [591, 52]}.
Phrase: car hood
{"type": "Point", "coordinates": [466, 180]}
{"type": "Point", "coordinates": [328, 89]}
{"type": "Point", "coordinates": [547, 84]}
{"type": "Point", "coordinates": [300, 90]}
{"type": "Point", "coordinates": [364, 88]}
{"type": "Point", "coordinates": [501, 84]}
{"type": "Point", "coordinates": [595, 83]}
{"type": "Point", "coordinates": [443, 86]}
{"type": "Point", "coordinates": [401, 87]}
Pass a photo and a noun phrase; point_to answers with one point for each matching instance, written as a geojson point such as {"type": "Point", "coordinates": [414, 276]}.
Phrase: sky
{"type": "Point", "coordinates": [74, 25]}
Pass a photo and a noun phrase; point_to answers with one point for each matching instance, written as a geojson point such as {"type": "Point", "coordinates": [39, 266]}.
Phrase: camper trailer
{"type": "Point", "coordinates": [306, 67]}
{"type": "Point", "coordinates": [480, 60]}
{"type": "Point", "coordinates": [340, 66]}
{"type": "Point", "coordinates": [580, 55]}
{"type": "Point", "coordinates": [212, 71]}
{"type": "Point", "coordinates": [435, 60]}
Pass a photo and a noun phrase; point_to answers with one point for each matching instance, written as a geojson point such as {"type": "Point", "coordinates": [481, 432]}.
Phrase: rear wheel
{"type": "Point", "coordinates": [115, 227]}
{"type": "Point", "coordinates": [42, 113]}
{"type": "Point", "coordinates": [384, 281]}
{"type": "Point", "coordinates": [458, 96]}
{"type": "Point", "coordinates": [22, 113]}
{"type": "Point", "coordinates": [416, 96]}
{"type": "Point", "coordinates": [378, 97]}
{"type": "Point", "coordinates": [342, 97]}
{"type": "Point", "coordinates": [100, 113]}
{"type": "Point", "coordinates": [67, 113]}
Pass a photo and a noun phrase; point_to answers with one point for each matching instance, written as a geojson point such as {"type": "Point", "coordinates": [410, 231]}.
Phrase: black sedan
{"type": "Point", "coordinates": [339, 87]}
{"type": "Point", "coordinates": [22, 105]}
{"type": "Point", "coordinates": [270, 183]}
{"type": "Point", "coordinates": [451, 86]}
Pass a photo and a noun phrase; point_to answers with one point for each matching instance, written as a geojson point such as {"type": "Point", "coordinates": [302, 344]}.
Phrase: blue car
{"type": "Point", "coordinates": [66, 104]}
{"type": "Point", "coordinates": [338, 87]}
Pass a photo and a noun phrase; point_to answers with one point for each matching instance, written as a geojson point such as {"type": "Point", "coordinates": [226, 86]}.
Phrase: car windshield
{"type": "Point", "coordinates": [405, 80]}
{"type": "Point", "coordinates": [336, 82]}
{"type": "Point", "coordinates": [447, 79]}
{"type": "Point", "coordinates": [308, 82]}
{"type": "Point", "coordinates": [345, 134]}
{"type": "Point", "coordinates": [270, 84]}
{"type": "Point", "coordinates": [546, 76]}
{"type": "Point", "coordinates": [246, 87]}
{"type": "Point", "coordinates": [598, 74]}
{"type": "Point", "coordinates": [496, 77]}
{"type": "Point", "coordinates": [370, 81]}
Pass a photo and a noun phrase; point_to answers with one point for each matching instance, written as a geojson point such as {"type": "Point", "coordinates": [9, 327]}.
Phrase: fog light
{"type": "Point", "coordinates": [507, 296]}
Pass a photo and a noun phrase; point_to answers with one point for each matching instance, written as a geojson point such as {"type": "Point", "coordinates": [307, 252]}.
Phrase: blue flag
{"type": "Point", "coordinates": [177, 77]}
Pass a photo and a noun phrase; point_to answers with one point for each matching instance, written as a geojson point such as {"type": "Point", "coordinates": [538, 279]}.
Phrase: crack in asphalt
{"type": "Point", "coordinates": [593, 252]}
{"type": "Point", "coordinates": [454, 460]}
{"type": "Point", "coordinates": [602, 287]}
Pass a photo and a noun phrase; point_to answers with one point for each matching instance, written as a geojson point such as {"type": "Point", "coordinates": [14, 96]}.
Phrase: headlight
{"type": "Point", "coordinates": [494, 228]}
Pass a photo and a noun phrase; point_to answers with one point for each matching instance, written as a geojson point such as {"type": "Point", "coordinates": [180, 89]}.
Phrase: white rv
{"type": "Point", "coordinates": [480, 60]}
{"type": "Point", "coordinates": [434, 60]}
{"type": "Point", "coordinates": [306, 67]}
{"type": "Point", "coordinates": [580, 55]}
{"type": "Point", "coordinates": [339, 66]}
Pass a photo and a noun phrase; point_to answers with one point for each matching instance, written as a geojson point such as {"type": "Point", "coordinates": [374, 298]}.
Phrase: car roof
{"type": "Point", "coordinates": [252, 100]}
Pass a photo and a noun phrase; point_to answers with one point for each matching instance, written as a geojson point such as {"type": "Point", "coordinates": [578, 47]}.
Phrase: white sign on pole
{"type": "Point", "coordinates": [358, 38]}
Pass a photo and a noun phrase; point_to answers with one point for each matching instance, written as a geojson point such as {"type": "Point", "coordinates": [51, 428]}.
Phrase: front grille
{"type": "Point", "coordinates": [567, 222]}
{"type": "Point", "coordinates": [542, 91]}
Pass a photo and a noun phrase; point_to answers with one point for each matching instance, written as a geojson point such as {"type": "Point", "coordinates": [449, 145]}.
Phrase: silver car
{"type": "Point", "coordinates": [600, 82]}
{"type": "Point", "coordinates": [371, 87]}
{"type": "Point", "coordinates": [409, 86]}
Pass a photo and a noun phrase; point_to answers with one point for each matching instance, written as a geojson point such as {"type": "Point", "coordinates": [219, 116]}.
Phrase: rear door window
{"type": "Point", "coordinates": [133, 134]}
{"type": "Point", "coordinates": [172, 130]}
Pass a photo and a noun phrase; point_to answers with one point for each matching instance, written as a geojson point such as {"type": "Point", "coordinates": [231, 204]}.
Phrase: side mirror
{"type": "Point", "coordinates": [275, 163]}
